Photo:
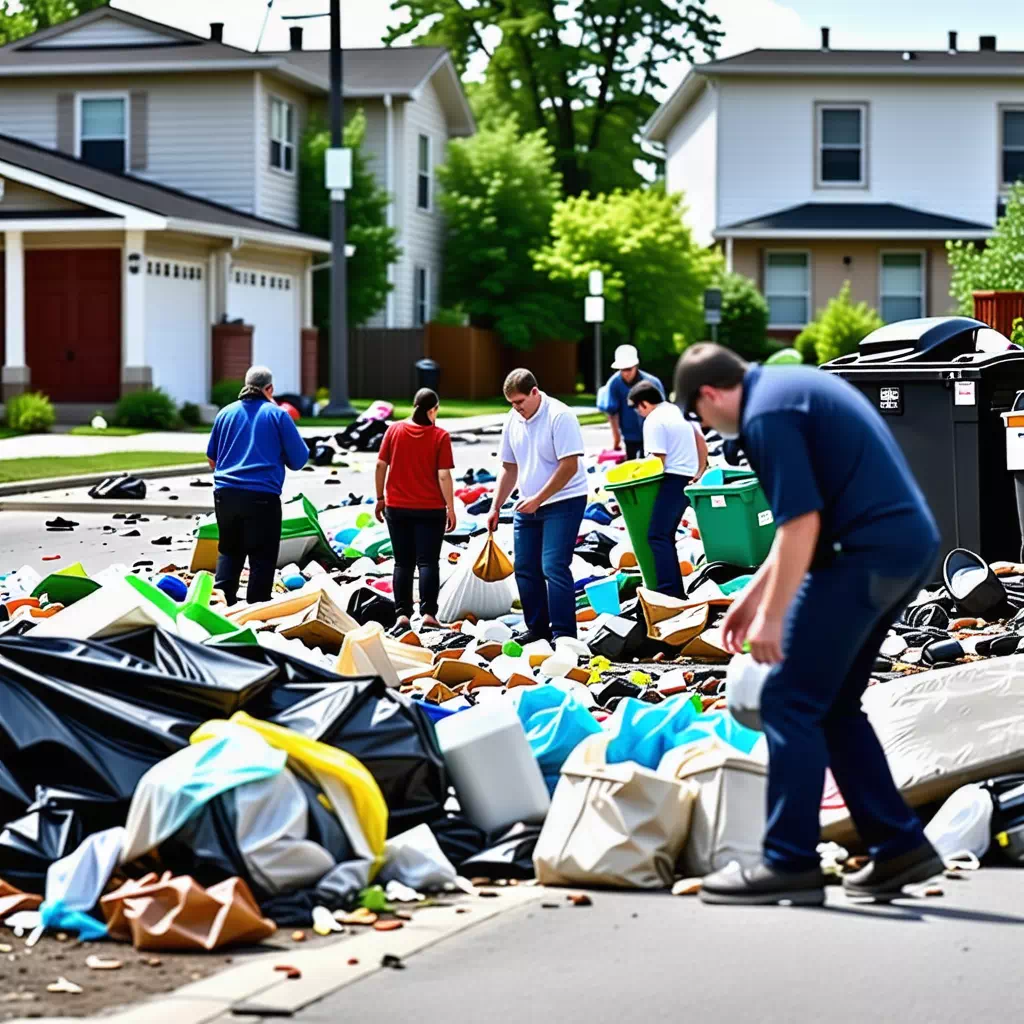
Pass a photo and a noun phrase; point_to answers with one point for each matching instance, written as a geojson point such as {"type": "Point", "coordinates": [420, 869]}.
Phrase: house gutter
{"type": "Point", "coordinates": [389, 184]}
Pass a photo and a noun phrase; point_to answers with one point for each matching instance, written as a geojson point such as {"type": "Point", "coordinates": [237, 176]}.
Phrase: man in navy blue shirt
{"type": "Point", "coordinates": [625, 423]}
{"type": "Point", "coordinates": [252, 441]}
{"type": "Point", "coordinates": [855, 541]}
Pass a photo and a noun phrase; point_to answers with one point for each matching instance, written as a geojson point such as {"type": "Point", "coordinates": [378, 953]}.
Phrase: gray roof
{"type": "Point", "coordinates": [374, 72]}
{"type": "Point", "coordinates": [940, 62]}
{"type": "Point", "coordinates": [856, 217]}
{"type": "Point", "coordinates": [158, 199]}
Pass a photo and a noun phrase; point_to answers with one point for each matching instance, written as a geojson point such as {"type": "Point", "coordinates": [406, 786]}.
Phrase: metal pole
{"type": "Point", "coordinates": [597, 358]}
{"type": "Point", "coordinates": [340, 404]}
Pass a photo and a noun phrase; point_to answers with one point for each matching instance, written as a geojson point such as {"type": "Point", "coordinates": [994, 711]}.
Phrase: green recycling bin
{"type": "Point", "coordinates": [733, 516]}
{"type": "Point", "coordinates": [635, 487]}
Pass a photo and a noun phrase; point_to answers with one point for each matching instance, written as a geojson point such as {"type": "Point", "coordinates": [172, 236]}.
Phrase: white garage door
{"type": "Point", "coordinates": [270, 302]}
{"type": "Point", "coordinates": [177, 328]}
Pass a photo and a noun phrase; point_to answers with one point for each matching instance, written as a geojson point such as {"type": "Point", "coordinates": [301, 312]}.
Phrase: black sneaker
{"type": "Point", "coordinates": [885, 879]}
{"type": "Point", "coordinates": [529, 638]}
{"type": "Point", "coordinates": [763, 886]}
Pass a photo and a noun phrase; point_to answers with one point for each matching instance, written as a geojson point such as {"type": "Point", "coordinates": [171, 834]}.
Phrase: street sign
{"type": "Point", "coordinates": [595, 282]}
{"type": "Point", "coordinates": [593, 309]}
{"type": "Point", "coordinates": [338, 169]}
{"type": "Point", "coordinates": [712, 306]}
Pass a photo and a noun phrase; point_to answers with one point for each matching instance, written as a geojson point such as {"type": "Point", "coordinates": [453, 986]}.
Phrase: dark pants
{"type": "Point", "coordinates": [250, 527]}
{"type": "Point", "coordinates": [812, 717]}
{"type": "Point", "coordinates": [634, 449]}
{"type": "Point", "coordinates": [416, 536]}
{"type": "Point", "coordinates": [669, 507]}
{"type": "Point", "coordinates": [545, 541]}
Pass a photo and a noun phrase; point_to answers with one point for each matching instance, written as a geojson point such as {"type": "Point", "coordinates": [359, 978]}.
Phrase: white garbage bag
{"type": "Point", "coordinates": [744, 681]}
{"type": "Point", "coordinates": [466, 594]}
{"type": "Point", "coordinates": [415, 859]}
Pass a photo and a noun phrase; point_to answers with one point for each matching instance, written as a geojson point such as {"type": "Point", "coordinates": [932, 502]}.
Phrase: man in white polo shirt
{"type": "Point", "coordinates": [669, 436]}
{"type": "Point", "coordinates": [542, 449]}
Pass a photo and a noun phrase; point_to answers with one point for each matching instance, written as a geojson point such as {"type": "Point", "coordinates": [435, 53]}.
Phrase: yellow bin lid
{"type": "Point", "coordinates": [634, 471]}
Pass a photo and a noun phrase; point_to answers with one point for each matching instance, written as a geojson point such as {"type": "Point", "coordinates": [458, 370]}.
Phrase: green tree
{"type": "Point", "coordinates": [837, 329]}
{"type": "Point", "coordinates": [366, 225]}
{"type": "Point", "coordinates": [20, 18]}
{"type": "Point", "coordinates": [998, 265]}
{"type": "Point", "coordinates": [498, 193]}
{"type": "Point", "coordinates": [587, 72]}
{"type": "Point", "coordinates": [654, 272]}
{"type": "Point", "coordinates": [744, 326]}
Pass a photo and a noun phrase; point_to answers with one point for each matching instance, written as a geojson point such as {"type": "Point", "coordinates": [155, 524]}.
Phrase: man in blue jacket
{"type": "Point", "coordinates": [627, 427]}
{"type": "Point", "coordinates": [252, 441]}
{"type": "Point", "coordinates": [854, 542]}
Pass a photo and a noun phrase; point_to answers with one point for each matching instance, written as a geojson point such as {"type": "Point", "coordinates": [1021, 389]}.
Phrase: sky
{"type": "Point", "coordinates": [855, 24]}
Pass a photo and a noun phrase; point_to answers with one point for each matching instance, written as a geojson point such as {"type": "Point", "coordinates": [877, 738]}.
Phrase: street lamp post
{"type": "Point", "coordinates": [593, 313]}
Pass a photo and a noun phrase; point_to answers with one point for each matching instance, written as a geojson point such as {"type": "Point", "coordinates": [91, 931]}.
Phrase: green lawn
{"type": "Point", "coordinates": [109, 432]}
{"type": "Point", "coordinates": [17, 470]}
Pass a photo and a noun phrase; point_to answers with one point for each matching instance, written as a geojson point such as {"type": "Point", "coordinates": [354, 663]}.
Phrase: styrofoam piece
{"type": "Point", "coordinates": [574, 646]}
{"type": "Point", "coordinates": [538, 647]}
{"type": "Point", "coordinates": [495, 773]}
{"type": "Point", "coordinates": [291, 570]}
{"type": "Point", "coordinates": [505, 667]}
{"type": "Point", "coordinates": [493, 631]}
{"type": "Point", "coordinates": [893, 646]}
{"type": "Point", "coordinates": [558, 664]}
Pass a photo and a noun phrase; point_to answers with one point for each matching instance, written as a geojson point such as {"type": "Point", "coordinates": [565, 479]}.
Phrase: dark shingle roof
{"type": "Point", "coordinates": [936, 61]}
{"type": "Point", "coordinates": [855, 217]}
{"type": "Point", "coordinates": [374, 72]}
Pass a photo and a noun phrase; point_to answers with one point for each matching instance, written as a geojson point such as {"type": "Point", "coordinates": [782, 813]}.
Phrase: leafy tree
{"type": "Point", "coordinates": [654, 272]}
{"type": "Point", "coordinates": [744, 326]}
{"type": "Point", "coordinates": [998, 265]}
{"type": "Point", "coordinates": [588, 72]}
{"type": "Point", "coordinates": [498, 193]}
{"type": "Point", "coordinates": [837, 330]}
{"type": "Point", "coordinates": [366, 205]}
{"type": "Point", "coordinates": [20, 18]}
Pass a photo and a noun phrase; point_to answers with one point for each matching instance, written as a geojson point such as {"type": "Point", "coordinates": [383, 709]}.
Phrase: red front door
{"type": "Point", "coordinates": [73, 323]}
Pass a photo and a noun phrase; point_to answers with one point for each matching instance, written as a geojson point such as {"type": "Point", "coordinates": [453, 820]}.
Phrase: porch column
{"type": "Point", "coordinates": [307, 293]}
{"type": "Point", "coordinates": [16, 377]}
{"type": "Point", "coordinates": [728, 254]}
{"type": "Point", "coordinates": [136, 375]}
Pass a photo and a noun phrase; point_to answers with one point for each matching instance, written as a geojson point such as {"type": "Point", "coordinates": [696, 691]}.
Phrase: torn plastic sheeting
{"type": "Point", "coordinates": [644, 732]}
{"type": "Point", "coordinates": [389, 734]}
{"type": "Point", "coordinates": [13, 799]}
{"type": "Point", "coordinates": [178, 787]}
{"type": "Point", "coordinates": [31, 843]}
{"type": "Point", "coordinates": [168, 913]}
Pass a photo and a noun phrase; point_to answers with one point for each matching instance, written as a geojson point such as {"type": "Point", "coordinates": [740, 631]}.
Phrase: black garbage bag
{"type": "Point", "coordinates": [714, 572]}
{"type": "Point", "coordinates": [13, 799]}
{"type": "Point", "coordinates": [390, 734]}
{"type": "Point", "coordinates": [303, 403]}
{"type": "Point", "coordinates": [458, 838]}
{"type": "Point", "coordinates": [116, 488]}
{"type": "Point", "coordinates": [323, 454]}
{"type": "Point", "coordinates": [618, 638]}
{"type": "Point", "coordinates": [507, 856]}
{"type": "Point", "coordinates": [150, 667]}
{"type": "Point", "coordinates": [369, 605]}
{"type": "Point", "coordinates": [1007, 792]}
{"type": "Point", "coordinates": [362, 436]}
{"type": "Point", "coordinates": [596, 549]}
{"type": "Point", "coordinates": [973, 585]}
{"type": "Point", "coordinates": [31, 843]}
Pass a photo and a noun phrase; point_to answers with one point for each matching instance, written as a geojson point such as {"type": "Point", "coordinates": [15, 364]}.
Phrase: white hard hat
{"type": "Point", "coordinates": [626, 357]}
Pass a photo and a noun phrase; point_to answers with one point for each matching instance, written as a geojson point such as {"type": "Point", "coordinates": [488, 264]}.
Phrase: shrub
{"type": "Point", "coordinates": [225, 392]}
{"type": "Point", "coordinates": [190, 414]}
{"type": "Point", "coordinates": [838, 328]}
{"type": "Point", "coordinates": [1017, 331]}
{"type": "Point", "coordinates": [149, 409]}
{"type": "Point", "coordinates": [744, 326]}
{"type": "Point", "coordinates": [31, 413]}
{"type": "Point", "coordinates": [323, 395]}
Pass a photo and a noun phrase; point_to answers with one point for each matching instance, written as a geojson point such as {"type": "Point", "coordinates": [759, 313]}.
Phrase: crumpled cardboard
{"type": "Point", "coordinates": [167, 912]}
{"type": "Point", "coordinates": [13, 900]}
{"type": "Point", "coordinates": [671, 620]}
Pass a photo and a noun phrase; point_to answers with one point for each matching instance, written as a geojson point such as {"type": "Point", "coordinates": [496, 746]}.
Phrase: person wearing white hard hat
{"type": "Point", "coordinates": [627, 427]}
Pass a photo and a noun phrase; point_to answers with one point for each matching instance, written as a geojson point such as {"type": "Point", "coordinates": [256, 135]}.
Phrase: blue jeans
{"type": "Point", "coordinates": [812, 717]}
{"type": "Point", "coordinates": [545, 541]}
{"type": "Point", "coordinates": [669, 507]}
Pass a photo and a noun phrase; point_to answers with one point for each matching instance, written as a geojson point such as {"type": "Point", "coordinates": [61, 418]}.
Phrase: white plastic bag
{"type": "Point", "coordinates": [465, 594]}
{"type": "Point", "coordinates": [415, 859]}
{"type": "Point", "coordinates": [744, 682]}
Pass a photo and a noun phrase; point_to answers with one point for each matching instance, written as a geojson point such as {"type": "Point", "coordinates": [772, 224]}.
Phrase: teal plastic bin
{"type": "Point", "coordinates": [733, 516]}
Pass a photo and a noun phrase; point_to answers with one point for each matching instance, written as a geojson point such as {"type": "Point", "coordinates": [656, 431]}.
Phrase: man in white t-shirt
{"type": "Point", "coordinates": [542, 449]}
{"type": "Point", "coordinates": [674, 440]}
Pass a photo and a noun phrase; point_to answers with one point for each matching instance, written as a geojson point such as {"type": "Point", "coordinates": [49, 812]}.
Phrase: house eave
{"type": "Point", "coordinates": [777, 234]}
{"type": "Point", "coordinates": [274, 239]}
{"type": "Point", "coordinates": [664, 119]}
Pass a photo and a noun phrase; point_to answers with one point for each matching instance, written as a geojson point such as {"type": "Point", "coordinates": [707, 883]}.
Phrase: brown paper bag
{"type": "Point", "coordinates": [493, 565]}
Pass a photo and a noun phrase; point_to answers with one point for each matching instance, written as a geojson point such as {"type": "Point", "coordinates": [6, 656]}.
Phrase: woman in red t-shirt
{"type": "Point", "coordinates": [418, 503]}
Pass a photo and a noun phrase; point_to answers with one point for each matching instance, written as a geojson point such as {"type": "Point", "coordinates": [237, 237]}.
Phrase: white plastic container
{"type": "Point", "coordinates": [495, 773]}
{"type": "Point", "coordinates": [558, 664]}
{"type": "Point", "coordinates": [963, 823]}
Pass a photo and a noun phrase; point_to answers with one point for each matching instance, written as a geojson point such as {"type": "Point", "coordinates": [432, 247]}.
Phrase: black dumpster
{"type": "Point", "coordinates": [428, 374]}
{"type": "Point", "coordinates": [941, 383]}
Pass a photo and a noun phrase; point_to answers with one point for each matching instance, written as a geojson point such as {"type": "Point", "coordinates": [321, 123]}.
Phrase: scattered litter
{"type": "Point", "coordinates": [60, 524]}
{"type": "Point", "coordinates": [580, 900]}
{"type": "Point", "coordinates": [394, 962]}
{"type": "Point", "coordinates": [99, 963]}
{"type": "Point", "coordinates": [388, 926]}
{"type": "Point", "coordinates": [291, 973]}
{"type": "Point", "coordinates": [65, 987]}
{"type": "Point", "coordinates": [686, 887]}
{"type": "Point", "coordinates": [298, 936]}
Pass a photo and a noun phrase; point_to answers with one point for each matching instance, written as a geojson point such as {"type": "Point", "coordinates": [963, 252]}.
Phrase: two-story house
{"type": "Point", "coordinates": [813, 167]}
{"type": "Point", "coordinates": [149, 189]}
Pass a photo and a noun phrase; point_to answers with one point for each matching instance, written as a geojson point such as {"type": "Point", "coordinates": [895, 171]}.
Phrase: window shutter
{"type": "Point", "coordinates": [139, 131]}
{"type": "Point", "coordinates": [66, 122]}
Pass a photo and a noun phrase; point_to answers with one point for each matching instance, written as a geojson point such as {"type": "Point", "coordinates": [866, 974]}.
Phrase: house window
{"type": "Point", "coordinates": [902, 290]}
{"type": "Point", "coordinates": [841, 145]}
{"type": "Point", "coordinates": [282, 136]}
{"type": "Point", "coordinates": [102, 133]}
{"type": "Point", "coordinates": [787, 287]}
{"type": "Point", "coordinates": [1013, 146]}
{"type": "Point", "coordinates": [421, 296]}
{"type": "Point", "coordinates": [423, 177]}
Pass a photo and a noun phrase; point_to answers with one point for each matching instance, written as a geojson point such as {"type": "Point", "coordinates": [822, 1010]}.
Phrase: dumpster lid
{"type": "Point", "coordinates": [935, 339]}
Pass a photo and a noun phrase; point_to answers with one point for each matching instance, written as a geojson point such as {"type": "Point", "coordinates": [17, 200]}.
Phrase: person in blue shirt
{"type": "Point", "coordinates": [627, 427]}
{"type": "Point", "coordinates": [855, 541]}
{"type": "Point", "coordinates": [251, 442]}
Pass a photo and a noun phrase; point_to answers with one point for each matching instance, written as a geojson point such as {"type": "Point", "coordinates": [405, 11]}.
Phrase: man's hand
{"type": "Point", "coordinates": [736, 624]}
{"type": "Point", "coordinates": [492, 519]}
{"type": "Point", "coordinates": [616, 444]}
{"type": "Point", "coordinates": [452, 520]}
{"type": "Point", "coordinates": [765, 639]}
{"type": "Point", "coordinates": [528, 506]}
{"type": "Point", "coordinates": [379, 510]}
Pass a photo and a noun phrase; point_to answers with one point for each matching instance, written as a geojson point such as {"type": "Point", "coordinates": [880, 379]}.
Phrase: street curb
{"type": "Point", "coordinates": [176, 510]}
{"type": "Point", "coordinates": [63, 483]}
{"type": "Point", "coordinates": [253, 989]}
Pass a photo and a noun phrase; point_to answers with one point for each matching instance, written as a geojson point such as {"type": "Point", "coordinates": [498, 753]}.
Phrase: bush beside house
{"type": "Point", "coordinates": [31, 413]}
{"type": "Point", "coordinates": [837, 329]}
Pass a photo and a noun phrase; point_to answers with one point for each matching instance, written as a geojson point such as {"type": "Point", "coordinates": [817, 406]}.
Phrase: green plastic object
{"type": "Point", "coordinates": [733, 516]}
{"type": "Point", "coordinates": [636, 501]}
{"type": "Point", "coordinates": [65, 590]}
{"type": "Point", "coordinates": [785, 357]}
{"type": "Point", "coordinates": [154, 595]}
{"type": "Point", "coordinates": [196, 607]}
{"type": "Point", "coordinates": [735, 586]}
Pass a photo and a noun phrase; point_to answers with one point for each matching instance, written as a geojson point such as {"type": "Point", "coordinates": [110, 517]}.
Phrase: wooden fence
{"type": "Point", "coordinates": [382, 361]}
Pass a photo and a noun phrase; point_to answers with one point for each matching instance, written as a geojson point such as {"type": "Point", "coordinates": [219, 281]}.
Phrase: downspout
{"type": "Point", "coordinates": [728, 254]}
{"type": "Point", "coordinates": [389, 184]}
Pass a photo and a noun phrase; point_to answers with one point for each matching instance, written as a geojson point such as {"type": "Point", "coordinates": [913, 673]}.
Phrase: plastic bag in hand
{"type": "Point", "coordinates": [466, 594]}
